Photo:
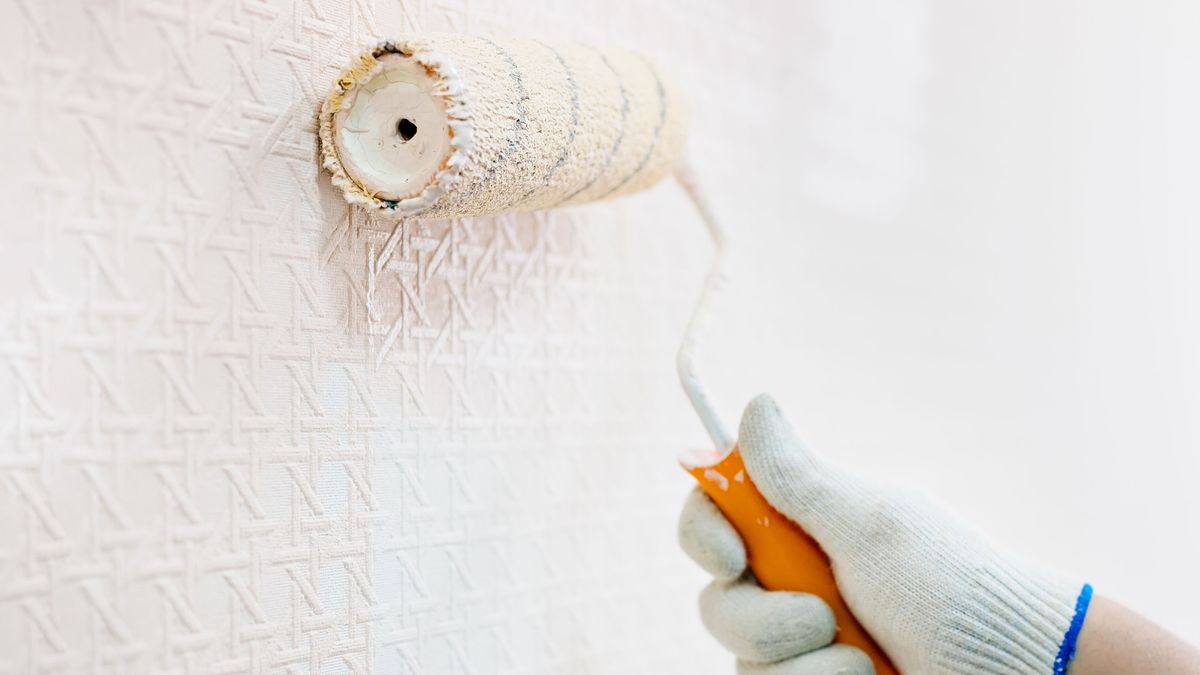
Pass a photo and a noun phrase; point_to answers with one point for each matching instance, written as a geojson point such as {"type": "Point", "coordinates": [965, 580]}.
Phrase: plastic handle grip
{"type": "Point", "coordinates": [781, 555]}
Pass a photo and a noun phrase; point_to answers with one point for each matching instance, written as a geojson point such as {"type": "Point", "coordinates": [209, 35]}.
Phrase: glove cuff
{"type": "Point", "coordinates": [1017, 617]}
{"type": "Point", "coordinates": [1066, 650]}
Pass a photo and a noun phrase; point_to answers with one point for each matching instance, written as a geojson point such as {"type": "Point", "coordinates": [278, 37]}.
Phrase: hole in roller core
{"type": "Point", "coordinates": [406, 129]}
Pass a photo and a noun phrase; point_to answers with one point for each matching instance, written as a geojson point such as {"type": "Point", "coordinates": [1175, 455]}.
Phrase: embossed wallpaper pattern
{"type": "Point", "coordinates": [244, 429]}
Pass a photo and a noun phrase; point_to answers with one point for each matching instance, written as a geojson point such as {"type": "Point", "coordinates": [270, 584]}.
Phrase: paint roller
{"type": "Point", "coordinates": [447, 125]}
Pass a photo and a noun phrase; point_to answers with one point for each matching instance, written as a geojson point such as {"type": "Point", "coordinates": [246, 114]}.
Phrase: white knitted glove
{"type": "Point", "coordinates": [935, 594]}
{"type": "Point", "coordinates": [770, 633]}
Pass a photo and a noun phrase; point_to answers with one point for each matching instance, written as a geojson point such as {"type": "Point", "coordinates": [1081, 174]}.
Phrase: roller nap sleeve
{"type": "Point", "coordinates": [447, 125]}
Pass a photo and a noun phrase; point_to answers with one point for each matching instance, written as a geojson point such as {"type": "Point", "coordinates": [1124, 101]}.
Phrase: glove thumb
{"type": "Point", "coordinates": [810, 492]}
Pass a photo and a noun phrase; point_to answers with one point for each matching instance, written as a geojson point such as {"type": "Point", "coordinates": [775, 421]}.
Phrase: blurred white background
{"type": "Point", "coordinates": [980, 273]}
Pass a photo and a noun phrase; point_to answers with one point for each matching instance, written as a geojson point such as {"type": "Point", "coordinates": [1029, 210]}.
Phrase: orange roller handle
{"type": "Point", "coordinates": [782, 556]}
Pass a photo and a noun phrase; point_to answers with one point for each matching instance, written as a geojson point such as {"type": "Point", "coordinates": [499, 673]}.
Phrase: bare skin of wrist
{"type": "Point", "coordinates": [1116, 640]}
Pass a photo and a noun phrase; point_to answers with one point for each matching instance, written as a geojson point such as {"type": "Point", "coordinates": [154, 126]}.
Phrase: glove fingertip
{"type": "Point", "coordinates": [709, 539]}
{"type": "Point", "coordinates": [776, 459]}
{"type": "Point", "coordinates": [765, 626]}
{"type": "Point", "coordinates": [764, 426]}
{"type": "Point", "coordinates": [835, 659]}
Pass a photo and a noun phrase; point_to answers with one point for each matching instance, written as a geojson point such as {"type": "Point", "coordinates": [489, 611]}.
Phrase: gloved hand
{"type": "Point", "coordinates": [936, 595]}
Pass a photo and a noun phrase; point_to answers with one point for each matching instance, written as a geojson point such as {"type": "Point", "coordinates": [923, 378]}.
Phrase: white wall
{"type": "Point", "coordinates": [964, 251]}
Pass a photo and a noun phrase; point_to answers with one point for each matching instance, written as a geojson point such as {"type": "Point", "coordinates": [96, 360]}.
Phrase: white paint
{"type": "Point", "coordinates": [714, 476]}
{"type": "Point", "coordinates": [702, 316]}
{"type": "Point", "coordinates": [694, 458]}
{"type": "Point", "coordinates": [367, 129]}
{"type": "Point", "coordinates": [398, 169]}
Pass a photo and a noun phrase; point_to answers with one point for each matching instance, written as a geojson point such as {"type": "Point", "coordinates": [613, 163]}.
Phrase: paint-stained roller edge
{"type": "Point", "coordinates": [461, 130]}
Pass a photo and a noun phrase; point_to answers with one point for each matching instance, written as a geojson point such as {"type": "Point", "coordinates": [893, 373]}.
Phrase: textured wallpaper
{"type": "Point", "coordinates": [243, 429]}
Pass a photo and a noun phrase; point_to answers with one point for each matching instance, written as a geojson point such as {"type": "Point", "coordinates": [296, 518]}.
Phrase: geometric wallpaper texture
{"type": "Point", "coordinates": [246, 429]}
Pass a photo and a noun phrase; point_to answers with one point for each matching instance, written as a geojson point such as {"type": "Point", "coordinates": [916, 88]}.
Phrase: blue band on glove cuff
{"type": "Point", "coordinates": [1066, 651]}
